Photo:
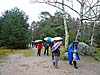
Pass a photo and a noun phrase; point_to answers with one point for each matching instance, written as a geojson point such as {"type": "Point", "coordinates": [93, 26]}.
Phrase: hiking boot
{"type": "Point", "coordinates": [70, 63]}
{"type": "Point", "coordinates": [57, 67]}
{"type": "Point", "coordinates": [54, 63]}
{"type": "Point", "coordinates": [75, 65]}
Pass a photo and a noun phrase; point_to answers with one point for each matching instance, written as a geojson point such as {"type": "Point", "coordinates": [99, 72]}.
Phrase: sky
{"type": "Point", "coordinates": [31, 9]}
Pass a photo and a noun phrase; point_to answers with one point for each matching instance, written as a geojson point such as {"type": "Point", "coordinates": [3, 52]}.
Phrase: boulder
{"type": "Point", "coordinates": [65, 56]}
{"type": "Point", "coordinates": [85, 49]}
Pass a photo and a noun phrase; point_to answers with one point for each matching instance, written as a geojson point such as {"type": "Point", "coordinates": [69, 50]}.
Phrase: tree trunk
{"type": "Point", "coordinates": [66, 34]}
{"type": "Point", "coordinates": [65, 25]}
{"type": "Point", "coordinates": [92, 34]}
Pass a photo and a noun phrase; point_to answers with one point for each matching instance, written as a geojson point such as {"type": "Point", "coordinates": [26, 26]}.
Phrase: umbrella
{"type": "Point", "coordinates": [38, 41]}
{"type": "Point", "coordinates": [48, 39]}
{"type": "Point", "coordinates": [57, 38]}
{"type": "Point", "coordinates": [56, 45]}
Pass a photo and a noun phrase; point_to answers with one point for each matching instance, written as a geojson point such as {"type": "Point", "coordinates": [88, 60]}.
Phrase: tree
{"type": "Point", "coordinates": [33, 30]}
{"type": "Point", "coordinates": [14, 31]}
{"type": "Point", "coordinates": [46, 25]}
{"type": "Point", "coordinates": [97, 34]}
{"type": "Point", "coordinates": [54, 26]}
{"type": "Point", "coordinates": [86, 7]}
{"type": "Point", "coordinates": [0, 32]}
{"type": "Point", "coordinates": [45, 15]}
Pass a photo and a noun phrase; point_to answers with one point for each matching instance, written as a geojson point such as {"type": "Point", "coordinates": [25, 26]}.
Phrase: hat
{"type": "Point", "coordinates": [75, 42]}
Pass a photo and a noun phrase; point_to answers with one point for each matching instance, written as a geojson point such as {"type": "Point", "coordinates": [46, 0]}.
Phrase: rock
{"type": "Point", "coordinates": [65, 55]}
{"type": "Point", "coordinates": [84, 49]}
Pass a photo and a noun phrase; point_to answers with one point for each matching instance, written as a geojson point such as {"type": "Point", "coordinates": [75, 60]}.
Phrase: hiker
{"type": "Point", "coordinates": [73, 54]}
{"type": "Point", "coordinates": [56, 52]}
{"type": "Point", "coordinates": [39, 47]}
{"type": "Point", "coordinates": [30, 43]}
{"type": "Point", "coordinates": [46, 46]}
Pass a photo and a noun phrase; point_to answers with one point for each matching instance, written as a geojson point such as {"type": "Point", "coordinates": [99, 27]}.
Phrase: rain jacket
{"type": "Point", "coordinates": [46, 45]}
{"type": "Point", "coordinates": [71, 51]}
{"type": "Point", "coordinates": [56, 52]}
{"type": "Point", "coordinates": [39, 46]}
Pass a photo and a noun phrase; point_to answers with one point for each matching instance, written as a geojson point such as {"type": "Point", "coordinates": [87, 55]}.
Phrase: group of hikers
{"type": "Point", "coordinates": [55, 50]}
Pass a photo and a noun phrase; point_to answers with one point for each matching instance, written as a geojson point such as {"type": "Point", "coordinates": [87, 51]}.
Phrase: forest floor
{"type": "Point", "coordinates": [17, 64]}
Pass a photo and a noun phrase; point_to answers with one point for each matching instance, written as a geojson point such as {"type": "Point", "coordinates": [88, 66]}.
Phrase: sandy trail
{"type": "Point", "coordinates": [17, 64]}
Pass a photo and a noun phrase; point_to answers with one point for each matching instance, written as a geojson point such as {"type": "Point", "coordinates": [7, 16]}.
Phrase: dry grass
{"type": "Point", "coordinates": [5, 52]}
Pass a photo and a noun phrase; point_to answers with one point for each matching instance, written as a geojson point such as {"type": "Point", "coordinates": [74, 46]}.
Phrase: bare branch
{"type": "Point", "coordinates": [79, 1]}
{"type": "Point", "coordinates": [84, 15]}
{"type": "Point", "coordinates": [57, 7]}
{"type": "Point", "coordinates": [69, 7]}
{"type": "Point", "coordinates": [89, 2]}
{"type": "Point", "coordinates": [72, 3]}
{"type": "Point", "coordinates": [91, 8]}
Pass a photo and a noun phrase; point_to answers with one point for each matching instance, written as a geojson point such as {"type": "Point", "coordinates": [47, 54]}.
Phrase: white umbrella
{"type": "Point", "coordinates": [38, 41]}
{"type": "Point", "coordinates": [57, 38]}
{"type": "Point", "coordinates": [46, 38]}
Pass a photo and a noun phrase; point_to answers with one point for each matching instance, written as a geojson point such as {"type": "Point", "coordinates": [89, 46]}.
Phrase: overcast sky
{"type": "Point", "coordinates": [32, 9]}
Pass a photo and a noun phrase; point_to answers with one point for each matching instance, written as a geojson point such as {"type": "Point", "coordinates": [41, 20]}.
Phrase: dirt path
{"type": "Point", "coordinates": [17, 64]}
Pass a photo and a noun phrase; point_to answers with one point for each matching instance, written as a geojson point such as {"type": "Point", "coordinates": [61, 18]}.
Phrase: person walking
{"type": "Point", "coordinates": [56, 52]}
{"type": "Point", "coordinates": [46, 46]}
{"type": "Point", "coordinates": [30, 43]}
{"type": "Point", "coordinates": [73, 54]}
{"type": "Point", "coordinates": [39, 47]}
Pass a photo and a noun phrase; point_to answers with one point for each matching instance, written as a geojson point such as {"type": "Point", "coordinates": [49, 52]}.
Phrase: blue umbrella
{"type": "Point", "coordinates": [56, 45]}
{"type": "Point", "coordinates": [49, 39]}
